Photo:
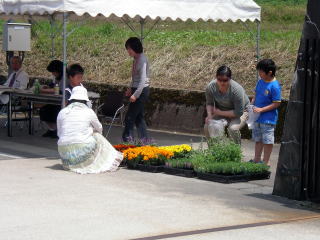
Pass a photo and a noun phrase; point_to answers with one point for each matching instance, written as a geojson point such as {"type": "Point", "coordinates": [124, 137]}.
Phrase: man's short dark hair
{"type": "Point", "coordinates": [224, 71]}
{"type": "Point", "coordinates": [135, 44]}
{"type": "Point", "coordinates": [75, 69]}
{"type": "Point", "coordinates": [55, 66]}
{"type": "Point", "coordinates": [267, 65]}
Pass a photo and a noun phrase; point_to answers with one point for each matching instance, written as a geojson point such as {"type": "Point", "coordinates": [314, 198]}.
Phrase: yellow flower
{"type": "Point", "coordinates": [177, 148]}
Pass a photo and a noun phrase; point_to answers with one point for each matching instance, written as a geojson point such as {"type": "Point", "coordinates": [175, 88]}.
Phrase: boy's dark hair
{"type": "Point", "coordinates": [267, 65]}
{"type": "Point", "coordinates": [224, 71]}
{"type": "Point", "coordinates": [75, 69]}
{"type": "Point", "coordinates": [55, 66]}
{"type": "Point", "coordinates": [135, 44]}
{"type": "Point", "coordinates": [78, 101]}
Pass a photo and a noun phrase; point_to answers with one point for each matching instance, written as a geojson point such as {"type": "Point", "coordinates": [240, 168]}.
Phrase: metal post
{"type": "Point", "coordinates": [30, 117]}
{"type": "Point", "coordinates": [65, 20]}
{"type": "Point", "coordinates": [258, 44]}
{"type": "Point", "coordinates": [52, 35]}
{"type": "Point", "coordinates": [142, 22]}
{"type": "Point", "coordinates": [9, 116]}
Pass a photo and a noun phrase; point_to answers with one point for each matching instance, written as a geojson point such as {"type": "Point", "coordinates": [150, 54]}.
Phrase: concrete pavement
{"type": "Point", "coordinates": [41, 201]}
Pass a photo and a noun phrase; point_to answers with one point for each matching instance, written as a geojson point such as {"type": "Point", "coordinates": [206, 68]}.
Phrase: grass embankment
{"type": "Point", "coordinates": [183, 54]}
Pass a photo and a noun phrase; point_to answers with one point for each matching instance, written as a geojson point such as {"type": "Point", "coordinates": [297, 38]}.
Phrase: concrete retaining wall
{"type": "Point", "coordinates": [177, 110]}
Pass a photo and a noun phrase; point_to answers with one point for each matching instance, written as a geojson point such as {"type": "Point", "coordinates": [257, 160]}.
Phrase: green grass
{"type": "Point", "coordinates": [101, 33]}
{"type": "Point", "coordinates": [199, 37]}
{"type": "Point", "coordinates": [281, 2]}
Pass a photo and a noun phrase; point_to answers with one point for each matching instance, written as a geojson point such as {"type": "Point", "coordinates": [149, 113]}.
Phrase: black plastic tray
{"type": "Point", "coordinates": [189, 173]}
{"type": "Point", "coordinates": [146, 168]}
{"type": "Point", "coordinates": [232, 178]}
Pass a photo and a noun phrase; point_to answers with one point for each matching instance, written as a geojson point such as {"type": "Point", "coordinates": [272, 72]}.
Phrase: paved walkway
{"type": "Point", "coordinates": [41, 201]}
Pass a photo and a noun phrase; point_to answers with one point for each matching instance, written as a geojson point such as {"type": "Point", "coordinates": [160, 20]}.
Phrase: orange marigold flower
{"type": "Point", "coordinates": [146, 153]}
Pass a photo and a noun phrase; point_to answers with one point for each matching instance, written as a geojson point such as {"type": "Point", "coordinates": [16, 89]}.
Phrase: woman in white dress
{"type": "Point", "coordinates": [81, 146]}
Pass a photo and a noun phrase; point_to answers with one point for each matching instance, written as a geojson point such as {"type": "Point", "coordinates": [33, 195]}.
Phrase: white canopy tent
{"type": "Point", "coordinates": [214, 10]}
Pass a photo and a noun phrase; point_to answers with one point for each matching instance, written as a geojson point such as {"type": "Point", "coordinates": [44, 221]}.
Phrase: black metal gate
{"type": "Point", "coordinates": [309, 70]}
{"type": "Point", "coordinates": [298, 171]}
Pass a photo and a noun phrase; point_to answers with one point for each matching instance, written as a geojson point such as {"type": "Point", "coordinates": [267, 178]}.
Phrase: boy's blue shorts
{"type": "Point", "coordinates": [263, 133]}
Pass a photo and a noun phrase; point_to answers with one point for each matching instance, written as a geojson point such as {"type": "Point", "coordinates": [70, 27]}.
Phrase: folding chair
{"type": "Point", "coordinates": [3, 116]}
{"type": "Point", "coordinates": [3, 107]}
{"type": "Point", "coordinates": [18, 109]}
{"type": "Point", "coordinates": [112, 109]}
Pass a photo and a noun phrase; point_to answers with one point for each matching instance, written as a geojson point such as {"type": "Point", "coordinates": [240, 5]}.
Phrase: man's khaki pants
{"type": "Point", "coordinates": [234, 126]}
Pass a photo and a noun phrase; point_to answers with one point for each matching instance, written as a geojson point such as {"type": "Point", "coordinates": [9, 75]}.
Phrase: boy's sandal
{"type": "Point", "coordinates": [253, 161]}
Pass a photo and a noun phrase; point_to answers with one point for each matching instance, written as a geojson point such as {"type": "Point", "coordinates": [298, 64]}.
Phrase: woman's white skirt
{"type": "Point", "coordinates": [96, 156]}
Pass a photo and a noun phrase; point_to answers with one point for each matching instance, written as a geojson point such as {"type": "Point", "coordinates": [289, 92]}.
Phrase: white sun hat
{"type": "Point", "coordinates": [79, 93]}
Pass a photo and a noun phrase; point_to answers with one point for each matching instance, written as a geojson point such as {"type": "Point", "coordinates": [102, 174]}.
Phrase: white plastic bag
{"type": "Point", "coordinates": [252, 117]}
{"type": "Point", "coordinates": [216, 127]}
{"type": "Point", "coordinates": [89, 104]}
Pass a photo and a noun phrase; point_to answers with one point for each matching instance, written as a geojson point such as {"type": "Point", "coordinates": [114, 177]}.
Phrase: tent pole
{"type": "Point", "coordinates": [142, 22]}
{"type": "Point", "coordinates": [52, 35]}
{"type": "Point", "coordinates": [65, 20]}
{"type": "Point", "coordinates": [258, 44]}
{"type": "Point", "coordinates": [129, 26]}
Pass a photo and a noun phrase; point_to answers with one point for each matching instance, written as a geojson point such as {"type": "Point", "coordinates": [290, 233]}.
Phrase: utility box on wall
{"type": "Point", "coordinates": [17, 37]}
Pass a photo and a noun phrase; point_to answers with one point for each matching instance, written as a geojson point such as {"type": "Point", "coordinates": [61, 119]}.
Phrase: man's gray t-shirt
{"type": "Point", "coordinates": [234, 99]}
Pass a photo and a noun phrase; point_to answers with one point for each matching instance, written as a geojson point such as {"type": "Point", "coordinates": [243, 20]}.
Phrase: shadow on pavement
{"type": "Point", "coordinates": [285, 202]}
{"type": "Point", "coordinates": [56, 167]}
